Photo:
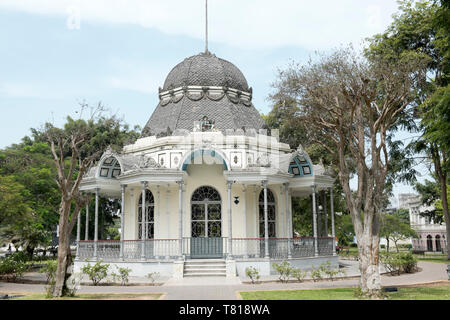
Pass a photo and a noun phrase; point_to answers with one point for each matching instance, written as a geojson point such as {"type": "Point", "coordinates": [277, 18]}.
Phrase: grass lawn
{"type": "Point", "coordinates": [440, 258]}
{"type": "Point", "coordinates": [435, 292]}
{"type": "Point", "coordinates": [94, 296]}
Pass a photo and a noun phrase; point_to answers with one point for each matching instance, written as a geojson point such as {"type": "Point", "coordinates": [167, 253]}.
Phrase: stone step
{"type": "Point", "coordinates": [205, 268]}
{"type": "Point", "coordinates": [205, 274]}
{"type": "Point", "coordinates": [204, 264]}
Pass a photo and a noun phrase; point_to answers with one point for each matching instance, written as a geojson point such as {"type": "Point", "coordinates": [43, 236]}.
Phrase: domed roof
{"type": "Point", "coordinates": [228, 107]}
{"type": "Point", "coordinates": [205, 69]}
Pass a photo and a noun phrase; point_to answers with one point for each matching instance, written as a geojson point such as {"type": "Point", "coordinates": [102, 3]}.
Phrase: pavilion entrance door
{"type": "Point", "coordinates": [206, 224]}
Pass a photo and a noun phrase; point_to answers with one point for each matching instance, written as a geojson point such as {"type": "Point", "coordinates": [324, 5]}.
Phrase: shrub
{"type": "Point", "coordinates": [396, 263]}
{"type": "Point", "coordinates": [327, 269]}
{"type": "Point", "coordinates": [354, 245]}
{"type": "Point", "coordinates": [284, 269]}
{"type": "Point", "coordinates": [97, 272]}
{"type": "Point", "coordinates": [19, 256]}
{"type": "Point", "coordinates": [383, 246]}
{"type": "Point", "coordinates": [153, 276]}
{"type": "Point", "coordinates": [298, 274]}
{"type": "Point", "coordinates": [122, 276]}
{"type": "Point", "coordinates": [49, 269]}
{"type": "Point", "coordinates": [12, 269]}
{"type": "Point", "coordinates": [252, 273]}
{"type": "Point", "coordinates": [316, 274]}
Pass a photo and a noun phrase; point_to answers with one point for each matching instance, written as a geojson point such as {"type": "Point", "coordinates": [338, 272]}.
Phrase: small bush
{"type": "Point", "coordinates": [97, 272]}
{"type": "Point", "coordinates": [153, 276]}
{"type": "Point", "coordinates": [12, 269]}
{"type": "Point", "coordinates": [252, 273]}
{"type": "Point", "coordinates": [354, 245]}
{"type": "Point", "coordinates": [122, 276]}
{"type": "Point", "coordinates": [327, 269]}
{"type": "Point", "coordinates": [298, 274]}
{"type": "Point", "coordinates": [49, 269]}
{"type": "Point", "coordinates": [284, 269]}
{"type": "Point", "coordinates": [316, 274]}
{"type": "Point", "coordinates": [383, 246]}
{"type": "Point", "coordinates": [397, 263]}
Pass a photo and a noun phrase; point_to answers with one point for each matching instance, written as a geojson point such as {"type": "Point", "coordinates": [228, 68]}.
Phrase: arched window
{"type": "Point", "coordinates": [270, 214]}
{"type": "Point", "coordinates": [150, 204]}
{"type": "Point", "coordinates": [206, 213]}
{"type": "Point", "coordinates": [429, 243]}
{"type": "Point", "coordinates": [438, 243]}
{"type": "Point", "coordinates": [300, 166]}
{"type": "Point", "coordinates": [110, 168]}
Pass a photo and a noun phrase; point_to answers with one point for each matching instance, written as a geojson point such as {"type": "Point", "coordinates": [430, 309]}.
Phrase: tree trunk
{"type": "Point", "coordinates": [63, 251]}
{"type": "Point", "coordinates": [370, 282]}
{"type": "Point", "coordinates": [446, 213]}
{"type": "Point", "coordinates": [387, 244]}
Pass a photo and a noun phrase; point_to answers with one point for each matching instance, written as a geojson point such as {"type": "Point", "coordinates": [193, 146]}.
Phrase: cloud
{"type": "Point", "coordinates": [247, 24]}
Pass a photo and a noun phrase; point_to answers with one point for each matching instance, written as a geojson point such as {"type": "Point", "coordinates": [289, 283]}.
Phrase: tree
{"type": "Point", "coordinates": [394, 228]}
{"type": "Point", "coordinates": [75, 148]}
{"type": "Point", "coordinates": [350, 104]}
{"type": "Point", "coordinates": [423, 27]}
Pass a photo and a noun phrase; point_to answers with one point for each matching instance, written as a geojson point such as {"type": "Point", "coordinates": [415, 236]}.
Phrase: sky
{"type": "Point", "coordinates": [55, 54]}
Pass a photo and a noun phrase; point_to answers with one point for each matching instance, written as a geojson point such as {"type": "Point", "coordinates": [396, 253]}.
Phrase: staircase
{"type": "Point", "coordinates": [205, 268]}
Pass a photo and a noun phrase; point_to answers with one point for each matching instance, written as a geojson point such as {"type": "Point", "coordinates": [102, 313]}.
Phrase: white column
{"type": "Point", "coordinates": [256, 211]}
{"type": "Point", "coordinates": [266, 222]}
{"type": "Point", "coordinates": [168, 211]}
{"type": "Point", "coordinates": [78, 235]}
{"type": "Point", "coordinates": [96, 224]}
{"type": "Point", "coordinates": [244, 189]}
{"type": "Point", "coordinates": [316, 249]}
{"type": "Point", "coordinates": [144, 220]}
{"type": "Point", "coordinates": [122, 220]}
{"type": "Point", "coordinates": [86, 227]}
{"type": "Point", "coordinates": [332, 221]}
{"type": "Point", "coordinates": [288, 230]}
{"type": "Point", "coordinates": [230, 227]}
{"type": "Point", "coordinates": [180, 218]}
{"type": "Point", "coordinates": [255, 243]}
{"type": "Point", "coordinates": [325, 212]}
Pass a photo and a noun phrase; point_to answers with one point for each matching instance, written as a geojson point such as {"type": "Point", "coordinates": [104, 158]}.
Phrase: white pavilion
{"type": "Point", "coordinates": [206, 190]}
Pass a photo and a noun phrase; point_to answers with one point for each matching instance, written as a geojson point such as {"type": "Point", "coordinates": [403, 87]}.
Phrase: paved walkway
{"type": "Point", "coordinates": [215, 288]}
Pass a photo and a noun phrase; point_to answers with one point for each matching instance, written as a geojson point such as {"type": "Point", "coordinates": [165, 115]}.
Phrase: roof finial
{"type": "Point", "coordinates": [206, 26]}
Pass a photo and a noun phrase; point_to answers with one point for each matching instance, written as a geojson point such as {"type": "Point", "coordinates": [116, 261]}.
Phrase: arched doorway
{"type": "Point", "coordinates": [271, 215]}
{"type": "Point", "coordinates": [149, 233]}
{"type": "Point", "coordinates": [438, 243]}
{"type": "Point", "coordinates": [147, 230]}
{"type": "Point", "coordinates": [271, 221]}
{"type": "Point", "coordinates": [429, 243]}
{"type": "Point", "coordinates": [206, 223]}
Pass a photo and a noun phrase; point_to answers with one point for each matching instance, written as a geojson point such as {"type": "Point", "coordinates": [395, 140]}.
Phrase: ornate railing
{"type": "Point", "coordinates": [169, 249]}
{"type": "Point", "coordinates": [132, 249]}
{"type": "Point", "coordinates": [281, 248]}
{"type": "Point", "coordinates": [325, 246]}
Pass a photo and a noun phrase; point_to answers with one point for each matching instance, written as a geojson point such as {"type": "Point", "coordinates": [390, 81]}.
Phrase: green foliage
{"type": "Point", "coordinates": [11, 268]}
{"type": "Point", "coordinates": [317, 273]}
{"type": "Point", "coordinates": [284, 269]}
{"type": "Point", "coordinates": [394, 228]}
{"type": "Point", "coordinates": [253, 274]}
{"type": "Point", "coordinates": [329, 271]}
{"type": "Point", "coordinates": [344, 229]}
{"type": "Point", "coordinates": [49, 269]}
{"type": "Point", "coordinates": [298, 274]}
{"type": "Point", "coordinates": [122, 275]}
{"type": "Point", "coordinates": [397, 263]}
{"type": "Point", "coordinates": [97, 272]}
{"type": "Point", "coordinates": [153, 276]}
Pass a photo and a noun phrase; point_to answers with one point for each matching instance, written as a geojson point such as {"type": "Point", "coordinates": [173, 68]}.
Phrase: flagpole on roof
{"type": "Point", "coordinates": [206, 26]}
